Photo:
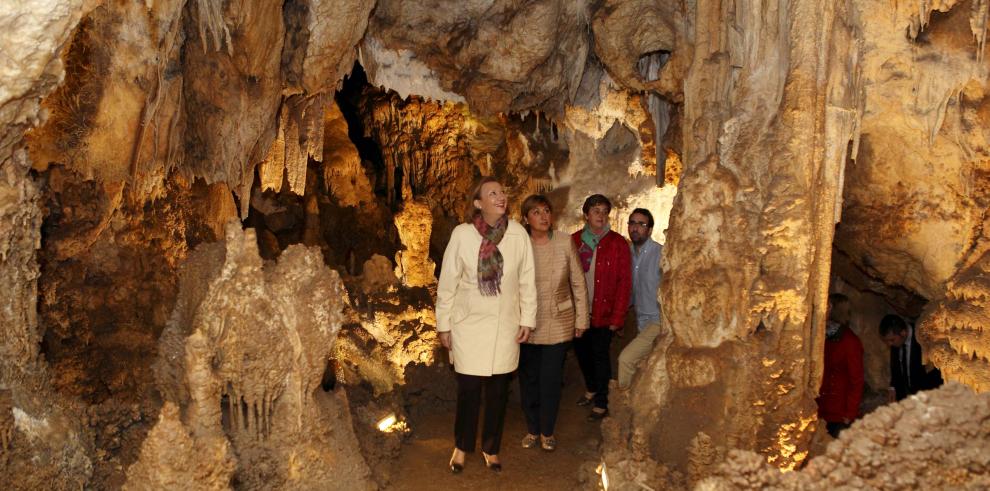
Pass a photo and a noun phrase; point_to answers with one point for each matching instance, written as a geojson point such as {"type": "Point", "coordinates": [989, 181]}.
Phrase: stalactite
{"type": "Point", "coordinates": [299, 137]}
{"type": "Point", "coordinates": [212, 22]}
{"type": "Point", "coordinates": [660, 114]}
{"type": "Point", "coordinates": [251, 417]}
{"type": "Point", "coordinates": [649, 67]}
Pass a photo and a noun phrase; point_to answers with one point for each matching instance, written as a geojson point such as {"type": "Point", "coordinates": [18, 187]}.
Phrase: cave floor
{"type": "Point", "coordinates": [424, 457]}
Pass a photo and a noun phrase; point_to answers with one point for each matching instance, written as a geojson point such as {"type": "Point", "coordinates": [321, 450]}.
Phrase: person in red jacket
{"type": "Point", "coordinates": [607, 265]}
{"type": "Point", "coordinates": [842, 380]}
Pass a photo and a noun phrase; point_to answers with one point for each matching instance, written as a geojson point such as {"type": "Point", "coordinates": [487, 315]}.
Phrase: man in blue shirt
{"type": "Point", "coordinates": [646, 254]}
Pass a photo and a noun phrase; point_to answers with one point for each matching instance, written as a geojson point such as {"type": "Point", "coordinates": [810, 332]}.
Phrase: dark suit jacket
{"type": "Point", "coordinates": [919, 380]}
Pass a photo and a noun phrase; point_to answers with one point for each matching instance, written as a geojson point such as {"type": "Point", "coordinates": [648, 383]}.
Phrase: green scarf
{"type": "Point", "coordinates": [589, 242]}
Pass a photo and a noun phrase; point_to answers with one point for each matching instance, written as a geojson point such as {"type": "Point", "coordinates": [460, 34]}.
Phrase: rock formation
{"type": "Point", "coordinates": [953, 328]}
{"type": "Point", "coordinates": [936, 440]}
{"type": "Point", "coordinates": [130, 132]}
{"type": "Point", "coordinates": [242, 358]}
{"type": "Point", "coordinates": [46, 440]}
{"type": "Point", "coordinates": [762, 187]}
{"type": "Point", "coordinates": [497, 56]}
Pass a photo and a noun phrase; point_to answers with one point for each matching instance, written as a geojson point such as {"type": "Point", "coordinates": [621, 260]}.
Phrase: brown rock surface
{"type": "Point", "coordinates": [497, 55]}
{"type": "Point", "coordinates": [915, 197]}
{"type": "Point", "coordinates": [626, 31]}
{"type": "Point", "coordinates": [243, 357]}
{"type": "Point", "coordinates": [759, 191]}
{"type": "Point", "coordinates": [118, 116]}
{"type": "Point", "coordinates": [935, 440]}
{"type": "Point", "coordinates": [785, 115]}
{"type": "Point", "coordinates": [954, 327]}
{"type": "Point", "coordinates": [172, 457]}
{"type": "Point", "coordinates": [46, 443]}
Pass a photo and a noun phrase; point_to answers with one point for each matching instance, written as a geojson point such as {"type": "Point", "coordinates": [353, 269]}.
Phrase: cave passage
{"type": "Point", "coordinates": [402, 165]}
{"type": "Point", "coordinates": [222, 224]}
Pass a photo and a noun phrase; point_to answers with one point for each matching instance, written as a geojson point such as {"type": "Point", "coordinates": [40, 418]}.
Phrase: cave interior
{"type": "Point", "coordinates": [223, 222]}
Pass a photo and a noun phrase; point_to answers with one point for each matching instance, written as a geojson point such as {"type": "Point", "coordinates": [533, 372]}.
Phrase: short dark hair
{"type": "Point", "coordinates": [595, 200]}
{"type": "Point", "coordinates": [532, 201]}
{"type": "Point", "coordinates": [834, 300]}
{"type": "Point", "coordinates": [837, 298]}
{"type": "Point", "coordinates": [892, 324]}
{"type": "Point", "coordinates": [646, 213]}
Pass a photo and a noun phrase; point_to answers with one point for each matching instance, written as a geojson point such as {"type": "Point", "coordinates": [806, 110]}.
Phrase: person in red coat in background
{"type": "Point", "coordinates": [842, 380]}
{"type": "Point", "coordinates": [607, 264]}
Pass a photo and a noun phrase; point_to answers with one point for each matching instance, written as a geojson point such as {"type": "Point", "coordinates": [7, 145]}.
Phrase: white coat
{"type": "Point", "coordinates": [484, 329]}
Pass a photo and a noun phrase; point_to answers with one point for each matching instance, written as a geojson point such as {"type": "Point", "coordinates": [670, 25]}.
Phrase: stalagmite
{"type": "Point", "coordinates": [265, 348]}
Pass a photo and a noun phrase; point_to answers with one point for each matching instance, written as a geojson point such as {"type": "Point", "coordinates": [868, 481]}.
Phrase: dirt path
{"type": "Point", "coordinates": [423, 463]}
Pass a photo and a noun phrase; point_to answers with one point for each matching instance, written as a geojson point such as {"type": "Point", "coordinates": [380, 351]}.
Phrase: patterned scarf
{"type": "Point", "coordinates": [589, 242]}
{"type": "Point", "coordinates": [490, 260]}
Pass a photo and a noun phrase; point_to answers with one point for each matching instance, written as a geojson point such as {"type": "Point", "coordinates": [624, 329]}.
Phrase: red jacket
{"type": "Point", "coordinates": [842, 380]}
{"type": "Point", "coordinates": [613, 280]}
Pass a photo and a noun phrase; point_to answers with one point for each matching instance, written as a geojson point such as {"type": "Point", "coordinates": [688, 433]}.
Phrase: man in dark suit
{"type": "Point", "coordinates": [907, 373]}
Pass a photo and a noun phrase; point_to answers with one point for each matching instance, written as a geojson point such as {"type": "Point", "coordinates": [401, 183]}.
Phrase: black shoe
{"type": "Point", "coordinates": [494, 466]}
{"type": "Point", "coordinates": [598, 416]}
{"type": "Point", "coordinates": [585, 400]}
{"type": "Point", "coordinates": [455, 468]}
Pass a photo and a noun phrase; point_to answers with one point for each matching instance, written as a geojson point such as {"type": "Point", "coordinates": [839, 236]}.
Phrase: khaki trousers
{"type": "Point", "coordinates": [636, 350]}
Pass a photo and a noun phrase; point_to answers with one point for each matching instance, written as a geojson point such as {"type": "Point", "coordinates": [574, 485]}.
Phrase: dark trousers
{"type": "Point", "coordinates": [834, 428]}
{"type": "Point", "coordinates": [593, 357]}
{"type": "Point", "coordinates": [541, 371]}
{"type": "Point", "coordinates": [469, 393]}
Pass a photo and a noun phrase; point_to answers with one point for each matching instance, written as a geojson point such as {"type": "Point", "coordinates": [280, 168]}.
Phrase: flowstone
{"type": "Point", "coordinates": [243, 356]}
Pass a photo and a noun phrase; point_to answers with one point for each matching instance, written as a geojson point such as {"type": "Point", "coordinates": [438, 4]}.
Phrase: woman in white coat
{"type": "Point", "coordinates": [486, 306]}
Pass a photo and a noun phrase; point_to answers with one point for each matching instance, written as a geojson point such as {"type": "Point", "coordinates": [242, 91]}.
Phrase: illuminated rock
{"type": "Point", "coordinates": [243, 356]}
{"type": "Point", "coordinates": [414, 223]}
{"type": "Point", "coordinates": [934, 440]}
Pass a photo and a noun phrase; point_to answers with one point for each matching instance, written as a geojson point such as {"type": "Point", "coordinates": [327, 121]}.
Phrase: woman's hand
{"type": "Point", "coordinates": [445, 339]}
{"type": "Point", "coordinates": [523, 335]}
{"type": "Point", "coordinates": [579, 332]}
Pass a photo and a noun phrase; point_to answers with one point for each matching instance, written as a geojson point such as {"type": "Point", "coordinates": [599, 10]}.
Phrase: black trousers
{"type": "Point", "coordinates": [834, 428]}
{"type": "Point", "coordinates": [469, 393]}
{"type": "Point", "coordinates": [541, 371]}
{"type": "Point", "coordinates": [592, 350]}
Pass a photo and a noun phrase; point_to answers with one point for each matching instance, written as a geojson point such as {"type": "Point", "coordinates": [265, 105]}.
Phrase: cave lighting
{"type": "Point", "coordinates": [385, 424]}
{"type": "Point", "coordinates": [603, 471]}
{"type": "Point", "coordinates": [392, 424]}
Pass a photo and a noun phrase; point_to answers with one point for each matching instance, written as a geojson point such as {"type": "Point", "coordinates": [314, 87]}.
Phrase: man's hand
{"type": "Point", "coordinates": [523, 335]}
{"type": "Point", "coordinates": [579, 332]}
{"type": "Point", "coordinates": [445, 339]}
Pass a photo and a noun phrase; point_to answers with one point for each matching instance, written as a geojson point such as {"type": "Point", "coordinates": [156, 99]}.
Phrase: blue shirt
{"type": "Point", "coordinates": [646, 282]}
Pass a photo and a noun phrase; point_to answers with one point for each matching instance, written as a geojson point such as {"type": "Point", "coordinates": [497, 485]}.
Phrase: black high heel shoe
{"type": "Point", "coordinates": [455, 468]}
{"type": "Point", "coordinates": [494, 466]}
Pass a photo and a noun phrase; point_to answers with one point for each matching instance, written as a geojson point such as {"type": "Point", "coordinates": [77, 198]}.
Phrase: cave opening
{"type": "Point", "coordinates": [349, 98]}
